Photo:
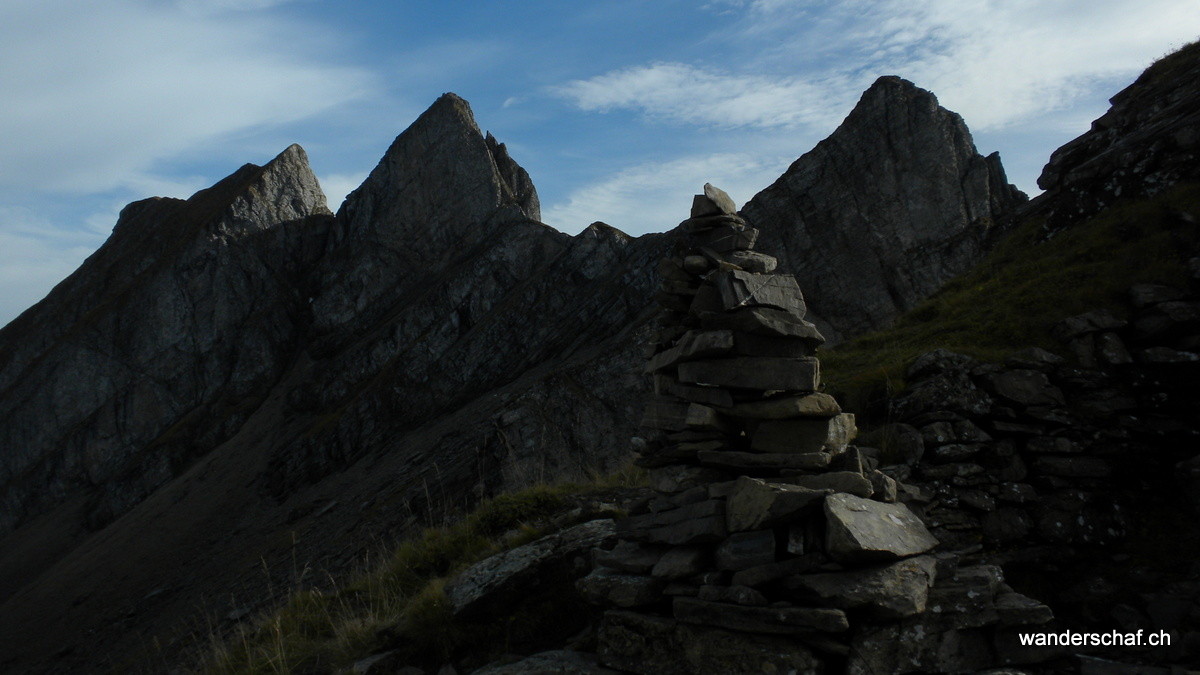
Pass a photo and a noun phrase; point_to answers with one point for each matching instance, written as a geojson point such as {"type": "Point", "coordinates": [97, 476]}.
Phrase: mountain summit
{"type": "Point", "coordinates": [895, 203]}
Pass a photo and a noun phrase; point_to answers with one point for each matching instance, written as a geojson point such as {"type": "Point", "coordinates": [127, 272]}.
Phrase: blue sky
{"type": "Point", "coordinates": [619, 110]}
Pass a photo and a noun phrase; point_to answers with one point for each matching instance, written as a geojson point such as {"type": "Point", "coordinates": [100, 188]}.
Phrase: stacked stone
{"type": "Point", "coordinates": [735, 377]}
{"type": "Point", "coordinates": [772, 546]}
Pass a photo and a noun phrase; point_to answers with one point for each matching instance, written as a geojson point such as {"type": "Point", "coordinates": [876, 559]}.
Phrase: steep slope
{"type": "Point", "coordinates": [895, 203]}
{"type": "Point", "coordinates": [1147, 141]}
{"type": "Point", "coordinates": [160, 345]}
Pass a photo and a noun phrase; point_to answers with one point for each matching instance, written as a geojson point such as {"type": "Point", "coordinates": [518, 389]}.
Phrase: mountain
{"type": "Point", "coordinates": [875, 218]}
{"type": "Point", "coordinates": [241, 387]}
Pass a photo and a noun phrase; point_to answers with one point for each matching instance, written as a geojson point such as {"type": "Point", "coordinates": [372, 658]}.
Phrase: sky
{"type": "Point", "coordinates": [619, 110]}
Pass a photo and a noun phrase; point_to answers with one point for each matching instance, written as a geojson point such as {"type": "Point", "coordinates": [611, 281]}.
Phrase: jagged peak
{"type": "Point", "coordinates": [892, 92]}
{"type": "Point", "coordinates": [440, 176]}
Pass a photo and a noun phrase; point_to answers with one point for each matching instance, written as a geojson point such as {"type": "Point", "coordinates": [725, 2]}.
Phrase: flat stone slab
{"type": "Point", "coordinates": [743, 550]}
{"type": "Point", "coordinates": [753, 261]}
{"type": "Point", "coordinates": [769, 620]}
{"type": "Point", "coordinates": [698, 523]}
{"type": "Point", "coordinates": [792, 407]}
{"type": "Point", "coordinates": [746, 289]}
{"type": "Point", "coordinates": [616, 589]}
{"type": "Point", "coordinates": [861, 530]}
{"type": "Point", "coordinates": [765, 574]}
{"type": "Point", "coordinates": [829, 434]}
{"type": "Point", "coordinates": [667, 385]}
{"type": "Point", "coordinates": [763, 373]}
{"type": "Point", "coordinates": [692, 345]}
{"type": "Point", "coordinates": [889, 592]}
{"type": "Point", "coordinates": [762, 462]}
{"type": "Point", "coordinates": [755, 503]}
{"type": "Point", "coordinates": [850, 482]}
{"type": "Point", "coordinates": [760, 321]}
{"type": "Point", "coordinates": [631, 557]}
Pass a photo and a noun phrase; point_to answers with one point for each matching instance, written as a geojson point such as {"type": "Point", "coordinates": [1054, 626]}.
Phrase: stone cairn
{"type": "Point", "coordinates": [773, 544]}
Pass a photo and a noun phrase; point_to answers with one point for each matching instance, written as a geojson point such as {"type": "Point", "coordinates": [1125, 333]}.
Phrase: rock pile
{"type": "Point", "coordinates": [773, 543]}
{"type": "Point", "coordinates": [1079, 470]}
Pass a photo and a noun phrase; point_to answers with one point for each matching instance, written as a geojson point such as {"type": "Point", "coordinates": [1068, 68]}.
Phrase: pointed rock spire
{"type": "Point", "coordinates": [878, 216]}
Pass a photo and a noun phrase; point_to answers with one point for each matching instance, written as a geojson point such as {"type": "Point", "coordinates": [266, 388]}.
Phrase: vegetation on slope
{"type": "Point", "coordinates": [399, 604]}
{"type": "Point", "coordinates": [1013, 298]}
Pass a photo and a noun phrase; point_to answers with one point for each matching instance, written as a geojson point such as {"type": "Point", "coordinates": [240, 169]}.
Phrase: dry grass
{"type": "Point", "coordinates": [399, 604]}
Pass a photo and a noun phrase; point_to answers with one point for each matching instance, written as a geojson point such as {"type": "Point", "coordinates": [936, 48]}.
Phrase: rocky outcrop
{"type": "Point", "coordinates": [875, 218]}
{"type": "Point", "coordinates": [1148, 141]}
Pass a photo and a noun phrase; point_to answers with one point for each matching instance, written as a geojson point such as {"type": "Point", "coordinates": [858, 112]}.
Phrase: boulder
{"type": "Point", "coordinates": [860, 530]}
{"type": "Point", "coordinates": [745, 289]}
{"type": "Point", "coordinates": [755, 503]}
{"type": "Point", "coordinates": [888, 592]}
{"type": "Point", "coordinates": [495, 582]}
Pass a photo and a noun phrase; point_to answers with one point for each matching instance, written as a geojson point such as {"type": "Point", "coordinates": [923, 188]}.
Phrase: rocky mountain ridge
{"type": "Point", "coordinates": [246, 363]}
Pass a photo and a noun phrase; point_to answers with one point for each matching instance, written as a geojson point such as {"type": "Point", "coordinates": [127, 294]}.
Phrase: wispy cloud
{"type": "Point", "coordinates": [994, 63]}
{"type": "Point", "coordinates": [109, 89]}
{"type": "Point", "coordinates": [656, 196]}
{"type": "Point", "coordinates": [685, 93]}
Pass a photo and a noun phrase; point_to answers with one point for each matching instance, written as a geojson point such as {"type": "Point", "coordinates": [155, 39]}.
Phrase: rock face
{"type": "Point", "coordinates": [160, 345]}
{"type": "Point", "coordinates": [1147, 141]}
{"type": "Point", "coordinates": [881, 214]}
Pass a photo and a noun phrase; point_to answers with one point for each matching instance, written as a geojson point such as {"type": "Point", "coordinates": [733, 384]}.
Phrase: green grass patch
{"type": "Point", "coordinates": [400, 603]}
{"type": "Point", "coordinates": [1021, 289]}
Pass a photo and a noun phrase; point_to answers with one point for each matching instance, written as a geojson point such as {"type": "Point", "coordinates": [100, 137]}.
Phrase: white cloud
{"type": "Point", "coordinates": [656, 196]}
{"type": "Point", "coordinates": [97, 93]}
{"type": "Point", "coordinates": [690, 94]}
